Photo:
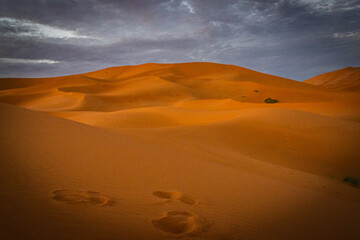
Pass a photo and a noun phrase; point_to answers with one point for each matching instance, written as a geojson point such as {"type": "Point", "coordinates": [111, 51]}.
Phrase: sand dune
{"type": "Point", "coordinates": [157, 85]}
{"type": "Point", "coordinates": [347, 79]}
{"type": "Point", "coordinates": [59, 184]}
{"type": "Point", "coordinates": [190, 151]}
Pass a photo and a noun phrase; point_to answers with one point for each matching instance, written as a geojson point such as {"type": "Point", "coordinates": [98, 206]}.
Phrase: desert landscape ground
{"type": "Point", "coordinates": [190, 151]}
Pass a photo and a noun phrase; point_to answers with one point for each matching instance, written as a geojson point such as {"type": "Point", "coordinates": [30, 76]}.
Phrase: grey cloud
{"type": "Point", "coordinates": [25, 28]}
{"type": "Point", "coordinates": [290, 38]}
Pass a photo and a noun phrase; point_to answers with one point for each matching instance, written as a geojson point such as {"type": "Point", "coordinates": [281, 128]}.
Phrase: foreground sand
{"type": "Point", "coordinates": [178, 150]}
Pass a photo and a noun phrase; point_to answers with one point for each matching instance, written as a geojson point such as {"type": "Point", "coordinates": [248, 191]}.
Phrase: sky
{"type": "Point", "coordinates": [296, 39]}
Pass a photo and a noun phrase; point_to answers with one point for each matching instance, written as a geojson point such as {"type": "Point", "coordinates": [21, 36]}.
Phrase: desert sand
{"type": "Point", "coordinates": [347, 79]}
{"type": "Point", "coordinates": [190, 151]}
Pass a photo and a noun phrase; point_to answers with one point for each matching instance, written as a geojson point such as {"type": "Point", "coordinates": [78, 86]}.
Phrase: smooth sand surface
{"type": "Point", "coordinates": [347, 79]}
{"type": "Point", "coordinates": [190, 151]}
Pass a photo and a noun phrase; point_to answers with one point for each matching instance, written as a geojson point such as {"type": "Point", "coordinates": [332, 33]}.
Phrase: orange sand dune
{"type": "Point", "coordinates": [190, 150]}
{"type": "Point", "coordinates": [72, 181]}
{"type": "Point", "coordinates": [347, 79]}
{"type": "Point", "coordinates": [147, 85]}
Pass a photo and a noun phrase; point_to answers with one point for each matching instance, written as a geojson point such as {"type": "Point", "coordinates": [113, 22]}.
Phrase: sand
{"type": "Point", "coordinates": [190, 151]}
{"type": "Point", "coordinates": [347, 79]}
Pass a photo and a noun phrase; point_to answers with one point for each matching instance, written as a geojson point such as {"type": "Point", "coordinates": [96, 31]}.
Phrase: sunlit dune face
{"type": "Point", "coordinates": [143, 120]}
{"type": "Point", "coordinates": [193, 150]}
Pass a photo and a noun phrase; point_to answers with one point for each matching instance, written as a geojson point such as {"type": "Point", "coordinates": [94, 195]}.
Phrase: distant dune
{"type": "Point", "coordinates": [189, 150]}
{"type": "Point", "coordinates": [347, 79]}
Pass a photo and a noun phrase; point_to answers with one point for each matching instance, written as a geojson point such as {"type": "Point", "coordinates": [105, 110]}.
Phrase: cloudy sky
{"type": "Point", "coordinates": [296, 39]}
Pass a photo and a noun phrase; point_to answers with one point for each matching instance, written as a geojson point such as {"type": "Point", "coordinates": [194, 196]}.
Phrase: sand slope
{"type": "Point", "coordinates": [347, 79]}
{"type": "Point", "coordinates": [178, 150]}
{"type": "Point", "coordinates": [72, 181]}
{"type": "Point", "coordinates": [147, 85]}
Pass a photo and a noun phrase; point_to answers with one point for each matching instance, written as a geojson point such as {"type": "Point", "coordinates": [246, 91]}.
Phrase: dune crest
{"type": "Point", "coordinates": [347, 79]}
{"type": "Point", "coordinates": [191, 150]}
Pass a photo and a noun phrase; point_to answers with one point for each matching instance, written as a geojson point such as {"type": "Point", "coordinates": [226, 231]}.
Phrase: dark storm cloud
{"type": "Point", "coordinates": [294, 38]}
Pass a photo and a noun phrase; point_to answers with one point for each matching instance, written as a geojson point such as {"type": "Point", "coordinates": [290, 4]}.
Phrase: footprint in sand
{"type": "Point", "coordinates": [175, 195]}
{"type": "Point", "coordinates": [82, 197]}
{"type": "Point", "coordinates": [180, 224]}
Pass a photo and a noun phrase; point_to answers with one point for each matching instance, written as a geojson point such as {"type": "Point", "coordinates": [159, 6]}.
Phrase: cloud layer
{"type": "Point", "coordinates": [290, 38]}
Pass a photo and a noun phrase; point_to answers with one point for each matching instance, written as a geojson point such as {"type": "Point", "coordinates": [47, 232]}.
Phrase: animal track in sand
{"type": "Point", "coordinates": [175, 195]}
{"type": "Point", "coordinates": [179, 224]}
{"type": "Point", "coordinates": [84, 197]}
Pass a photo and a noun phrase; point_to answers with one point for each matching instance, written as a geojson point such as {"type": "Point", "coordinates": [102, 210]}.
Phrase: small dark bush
{"type": "Point", "coordinates": [351, 181]}
{"type": "Point", "coordinates": [270, 100]}
{"type": "Point", "coordinates": [256, 91]}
